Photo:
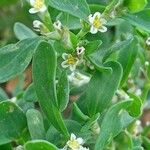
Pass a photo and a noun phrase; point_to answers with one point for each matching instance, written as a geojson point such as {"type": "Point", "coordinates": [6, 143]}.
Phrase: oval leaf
{"type": "Point", "coordinates": [39, 145]}
{"type": "Point", "coordinates": [16, 57]}
{"type": "Point", "coordinates": [12, 122]}
{"type": "Point", "coordinates": [77, 8]}
{"type": "Point", "coordinates": [44, 65]}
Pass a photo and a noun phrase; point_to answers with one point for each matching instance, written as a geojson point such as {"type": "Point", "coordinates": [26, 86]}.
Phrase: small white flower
{"type": "Point", "coordinates": [97, 23]}
{"type": "Point", "coordinates": [148, 41]}
{"type": "Point", "coordinates": [14, 99]}
{"type": "Point", "coordinates": [78, 79]}
{"type": "Point", "coordinates": [75, 144]}
{"type": "Point", "coordinates": [38, 6]}
{"type": "Point", "coordinates": [57, 25]}
{"type": "Point", "coordinates": [37, 25]}
{"type": "Point", "coordinates": [138, 128]}
{"type": "Point", "coordinates": [19, 147]}
{"type": "Point", "coordinates": [69, 61]}
{"type": "Point", "coordinates": [138, 92]}
{"type": "Point", "coordinates": [80, 50]}
{"type": "Point", "coordinates": [146, 63]}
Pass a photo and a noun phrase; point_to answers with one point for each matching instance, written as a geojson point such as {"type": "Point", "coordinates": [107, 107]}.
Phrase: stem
{"type": "Point", "coordinates": [81, 34]}
{"type": "Point", "coordinates": [46, 18]}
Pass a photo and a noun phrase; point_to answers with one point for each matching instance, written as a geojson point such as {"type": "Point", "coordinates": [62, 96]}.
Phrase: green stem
{"type": "Point", "coordinates": [145, 91]}
{"type": "Point", "coordinates": [46, 18]}
{"type": "Point", "coordinates": [81, 34]}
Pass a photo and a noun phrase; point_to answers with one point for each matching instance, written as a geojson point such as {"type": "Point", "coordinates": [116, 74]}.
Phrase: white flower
{"type": "Point", "coordinates": [38, 6]}
{"type": "Point", "coordinates": [80, 50]}
{"type": "Point", "coordinates": [78, 79]}
{"type": "Point", "coordinates": [138, 92]}
{"type": "Point", "coordinates": [138, 128]}
{"type": "Point", "coordinates": [37, 25]}
{"type": "Point", "coordinates": [97, 23]}
{"type": "Point", "coordinates": [75, 144]}
{"type": "Point", "coordinates": [70, 61]}
{"type": "Point", "coordinates": [19, 147]}
{"type": "Point", "coordinates": [146, 63]}
{"type": "Point", "coordinates": [148, 41]}
{"type": "Point", "coordinates": [57, 25]}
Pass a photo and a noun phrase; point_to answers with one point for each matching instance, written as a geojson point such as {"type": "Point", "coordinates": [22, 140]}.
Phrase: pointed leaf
{"type": "Point", "coordinates": [16, 57]}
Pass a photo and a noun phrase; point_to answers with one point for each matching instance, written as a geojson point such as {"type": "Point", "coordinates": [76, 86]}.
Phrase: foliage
{"type": "Point", "coordinates": [91, 76]}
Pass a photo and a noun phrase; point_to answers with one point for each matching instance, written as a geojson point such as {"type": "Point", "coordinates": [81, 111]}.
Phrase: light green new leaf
{"type": "Point", "coordinates": [113, 123]}
{"type": "Point", "coordinates": [39, 145]}
{"type": "Point", "coordinates": [16, 57]}
{"type": "Point", "coordinates": [35, 124]}
{"type": "Point", "coordinates": [77, 8]}
{"type": "Point", "coordinates": [63, 91]}
{"type": "Point", "coordinates": [127, 56]}
{"type": "Point", "coordinates": [135, 109]}
{"type": "Point", "coordinates": [133, 6]}
{"type": "Point", "coordinates": [23, 32]}
{"type": "Point", "coordinates": [140, 19]}
{"type": "Point", "coordinates": [102, 87]}
{"type": "Point", "coordinates": [12, 122]}
{"type": "Point", "coordinates": [44, 71]}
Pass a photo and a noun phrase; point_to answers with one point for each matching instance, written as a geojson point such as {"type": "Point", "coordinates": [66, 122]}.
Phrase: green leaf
{"type": "Point", "coordinates": [63, 91]}
{"type": "Point", "coordinates": [92, 47]}
{"type": "Point", "coordinates": [30, 94]}
{"type": "Point", "coordinates": [113, 123]}
{"type": "Point", "coordinates": [73, 23]}
{"type": "Point", "coordinates": [140, 19]}
{"type": "Point", "coordinates": [3, 95]}
{"type": "Point", "coordinates": [16, 57]}
{"type": "Point", "coordinates": [102, 87]}
{"type": "Point", "coordinates": [23, 32]}
{"type": "Point", "coordinates": [39, 145]}
{"type": "Point", "coordinates": [44, 65]}
{"type": "Point", "coordinates": [133, 6]}
{"type": "Point", "coordinates": [6, 147]}
{"type": "Point", "coordinates": [12, 122]}
{"type": "Point", "coordinates": [35, 124]}
{"type": "Point", "coordinates": [77, 8]}
{"type": "Point", "coordinates": [95, 55]}
{"type": "Point", "coordinates": [127, 56]}
{"type": "Point", "coordinates": [135, 109]}
{"type": "Point", "coordinates": [78, 114]}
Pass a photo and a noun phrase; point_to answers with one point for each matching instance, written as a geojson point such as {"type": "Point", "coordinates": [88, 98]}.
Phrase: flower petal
{"type": "Point", "coordinates": [97, 14]}
{"type": "Point", "coordinates": [93, 30]}
{"type": "Point", "coordinates": [72, 67]}
{"type": "Point", "coordinates": [91, 18]}
{"type": "Point", "coordinates": [103, 29]}
{"type": "Point", "coordinates": [73, 137]}
{"type": "Point", "coordinates": [64, 64]}
{"type": "Point", "coordinates": [65, 56]}
{"type": "Point", "coordinates": [32, 2]}
{"type": "Point", "coordinates": [33, 11]}
{"type": "Point", "coordinates": [43, 8]}
{"type": "Point", "coordinates": [37, 23]}
{"type": "Point", "coordinates": [80, 141]}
